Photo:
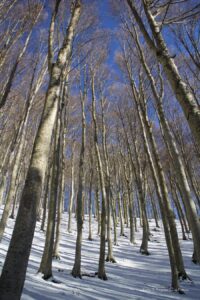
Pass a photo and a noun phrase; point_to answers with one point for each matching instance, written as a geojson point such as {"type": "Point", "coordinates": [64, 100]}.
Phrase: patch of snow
{"type": "Point", "coordinates": [134, 276]}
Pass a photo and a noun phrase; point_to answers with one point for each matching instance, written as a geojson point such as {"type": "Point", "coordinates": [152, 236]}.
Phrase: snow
{"type": "Point", "coordinates": [134, 276]}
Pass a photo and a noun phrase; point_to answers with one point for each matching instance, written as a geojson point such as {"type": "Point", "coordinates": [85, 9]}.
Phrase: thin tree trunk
{"type": "Point", "coordinates": [46, 262]}
{"type": "Point", "coordinates": [155, 212]}
{"type": "Point", "coordinates": [71, 200]}
{"type": "Point", "coordinates": [76, 271]}
{"type": "Point", "coordinates": [90, 206]}
{"type": "Point", "coordinates": [97, 200]}
{"type": "Point", "coordinates": [110, 256]}
{"type": "Point", "coordinates": [120, 215]}
{"type": "Point", "coordinates": [101, 268]}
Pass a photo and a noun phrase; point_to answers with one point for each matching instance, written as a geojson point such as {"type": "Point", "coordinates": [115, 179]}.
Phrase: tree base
{"type": "Point", "coordinates": [144, 252]}
{"type": "Point", "coordinates": [101, 276]}
{"type": "Point", "coordinates": [57, 256]}
{"type": "Point", "coordinates": [47, 277]}
{"type": "Point", "coordinates": [110, 259]}
{"type": "Point", "coordinates": [194, 259]}
{"type": "Point", "coordinates": [178, 290]}
{"type": "Point", "coordinates": [76, 274]}
{"type": "Point", "coordinates": [184, 276]}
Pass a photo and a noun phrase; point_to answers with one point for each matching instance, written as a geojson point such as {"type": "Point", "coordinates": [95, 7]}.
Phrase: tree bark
{"type": "Point", "coordinates": [14, 269]}
{"type": "Point", "coordinates": [71, 200]}
{"type": "Point", "coordinates": [101, 269]}
{"type": "Point", "coordinates": [76, 271]}
{"type": "Point", "coordinates": [181, 90]}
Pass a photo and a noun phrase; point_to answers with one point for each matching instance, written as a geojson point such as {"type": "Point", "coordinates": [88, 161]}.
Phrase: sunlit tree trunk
{"type": "Point", "coordinates": [14, 269]}
{"type": "Point", "coordinates": [110, 256]}
{"type": "Point", "coordinates": [142, 114]}
{"type": "Point", "coordinates": [190, 208]}
{"type": "Point", "coordinates": [158, 46]}
{"type": "Point", "coordinates": [90, 205]}
{"type": "Point", "coordinates": [60, 163]}
{"type": "Point", "coordinates": [129, 203]}
{"type": "Point", "coordinates": [101, 268]}
{"type": "Point", "coordinates": [120, 214]}
{"type": "Point", "coordinates": [97, 201]}
{"type": "Point", "coordinates": [114, 217]}
{"type": "Point", "coordinates": [72, 194]}
{"type": "Point", "coordinates": [155, 212]}
{"type": "Point", "coordinates": [46, 262]}
{"type": "Point", "coordinates": [139, 176]}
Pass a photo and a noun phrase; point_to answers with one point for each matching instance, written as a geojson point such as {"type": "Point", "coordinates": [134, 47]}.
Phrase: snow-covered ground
{"type": "Point", "coordinates": [134, 276]}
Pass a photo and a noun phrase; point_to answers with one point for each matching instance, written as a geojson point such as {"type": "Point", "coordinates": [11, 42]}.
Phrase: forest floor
{"type": "Point", "coordinates": [134, 276]}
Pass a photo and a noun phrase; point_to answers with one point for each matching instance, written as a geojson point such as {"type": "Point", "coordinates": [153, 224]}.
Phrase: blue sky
{"type": "Point", "coordinates": [110, 22]}
{"type": "Point", "coordinates": [107, 19]}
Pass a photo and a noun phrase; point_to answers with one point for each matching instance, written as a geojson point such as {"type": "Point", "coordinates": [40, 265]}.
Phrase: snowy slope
{"type": "Point", "coordinates": [133, 277]}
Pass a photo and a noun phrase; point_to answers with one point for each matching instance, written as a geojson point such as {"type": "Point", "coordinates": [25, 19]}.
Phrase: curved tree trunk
{"type": "Point", "coordinates": [181, 90]}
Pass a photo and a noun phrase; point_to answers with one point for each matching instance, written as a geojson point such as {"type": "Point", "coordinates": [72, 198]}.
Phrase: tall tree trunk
{"type": "Point", "coordinates": [155, 169]}
{"type": "Point", "coordinates": [143, 117]}
{"type": "Point", "coordinates": [14, 269]}
{"type": "Point", "coordinates": [110, 256]}
{"type": "Point", "coordinates": [172, 258]}
{"type": "Point", "coordinates": [76, 271]}
{"type": "Point", "coordinates": [101, 269]}
{"type": "Point", "coordinates": [158, 46]}
{"type": "Point", "coordinates": [46, 262]}
{"type": "Point", "coordinates": [179, 168]}
{"type": "Point", "coordinates": [60, 164]}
